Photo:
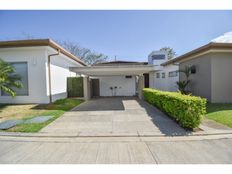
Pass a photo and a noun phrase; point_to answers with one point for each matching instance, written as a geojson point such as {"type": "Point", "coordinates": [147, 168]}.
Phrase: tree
{"type": "Point", "coordinates": [85, 54]}
{"type": "Point", "coordinates": [183, 84]}
{"type": "Point", "coordinates": [8, 78]}
{"type": "Point", "coordinates": [171, 53]}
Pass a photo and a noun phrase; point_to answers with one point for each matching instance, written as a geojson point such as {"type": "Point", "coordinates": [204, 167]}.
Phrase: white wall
{"type": "Point", "coordinates": [167, 83]}
{"type": "Point", "coordinates": [125, 86]}
{"type": "Point", "coordinates": [157, 62]}
{"type": "Point", "coordinates": [35, 58]}
{"type": "Point", "coordinates": [171, 81]}
{"type": "Point", "coordinates": [59, 72]}
{"type": "Point", "coordinates": [160, 83]}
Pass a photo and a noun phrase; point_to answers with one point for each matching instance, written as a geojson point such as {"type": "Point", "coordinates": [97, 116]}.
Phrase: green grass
{"type": "Point", "coordinates": [221, 113]}
{"type": "Point", "coordinates": [55, 109]}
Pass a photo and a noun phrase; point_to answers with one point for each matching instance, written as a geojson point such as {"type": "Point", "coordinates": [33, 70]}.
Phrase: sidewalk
{"type": "Point", "coordinates": [116, 150]}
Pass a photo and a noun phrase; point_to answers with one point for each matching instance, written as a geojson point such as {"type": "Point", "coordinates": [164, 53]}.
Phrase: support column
{"type": "Point", "coordinates": [86, 85]}
{"type": "Point", "coordinates": [140, 86]}
{"type": "Point", "coordinates": [151, 79]}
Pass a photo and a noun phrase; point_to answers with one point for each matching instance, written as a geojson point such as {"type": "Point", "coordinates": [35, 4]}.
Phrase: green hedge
{"type": "Point", "coordinates": [75, 87]}
{"type": "Point", "coordinates": [185, 109]}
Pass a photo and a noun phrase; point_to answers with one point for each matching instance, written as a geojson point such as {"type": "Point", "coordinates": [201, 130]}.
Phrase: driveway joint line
{"type": "Point", "coordinates": [153, 156]}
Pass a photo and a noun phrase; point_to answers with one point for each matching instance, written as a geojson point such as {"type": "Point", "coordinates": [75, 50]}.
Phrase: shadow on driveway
{"type": "Point", "coordinates": [163, 122]}
{"type": "Point", "coordinates": [102, 104]}
{"type": "Point", "coordinates": [135, 107]}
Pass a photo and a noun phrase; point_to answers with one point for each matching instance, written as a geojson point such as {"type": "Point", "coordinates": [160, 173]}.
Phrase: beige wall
{"type": "Point", "coordinates": [222, 78]}
{"type": "Point", "coordinates": [200, 82]}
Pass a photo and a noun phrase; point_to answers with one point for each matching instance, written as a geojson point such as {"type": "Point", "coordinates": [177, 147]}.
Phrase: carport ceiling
{"type": "Point", "coordinates": [113, 70]}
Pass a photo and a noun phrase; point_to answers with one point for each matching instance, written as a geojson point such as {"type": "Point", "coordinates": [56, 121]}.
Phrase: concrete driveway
{"type": "Point", "coordinates": [119, 116]}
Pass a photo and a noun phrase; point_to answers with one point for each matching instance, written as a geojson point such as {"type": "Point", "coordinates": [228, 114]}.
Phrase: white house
{"type": "Point", "coordinates": [126, 78]}
{"type": "Point", "coordinates": [43, 66]}
{"type": "Point", "coordinates": [165, 77]}
{"type": "Point", "coordinates": [118, 78]}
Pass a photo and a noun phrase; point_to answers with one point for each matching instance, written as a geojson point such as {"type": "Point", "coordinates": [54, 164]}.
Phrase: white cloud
{"type": "Point", "coordinates": [225, 38]}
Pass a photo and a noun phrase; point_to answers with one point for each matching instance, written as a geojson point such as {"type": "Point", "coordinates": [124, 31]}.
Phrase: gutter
{"type": "Point", "coordinates": [49, 74]}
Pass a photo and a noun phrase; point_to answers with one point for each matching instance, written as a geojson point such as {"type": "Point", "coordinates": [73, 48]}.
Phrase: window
{"type": "Point", "coordinates": [20, 69]}
{"type": "Point", "coordinates": [128, 77]}
{"type": "Point", "coordinates": [173, 74]}
{"type": "Point", "coordinates": [158, 57]}
{"type": "Point", "coordinates": [157, 75]}
{"type": "Point", "coordinates": [163, 75]}
{"type": "Point", "coordinates": [193, 69]}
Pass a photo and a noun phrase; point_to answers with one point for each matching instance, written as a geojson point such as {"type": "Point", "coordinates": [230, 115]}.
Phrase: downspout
{"type": "Point", "coordinates": [49, 75]}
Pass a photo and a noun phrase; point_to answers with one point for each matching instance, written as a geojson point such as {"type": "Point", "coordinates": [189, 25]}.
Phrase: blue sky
{"type": "Point", "coordinates": [130, 35]}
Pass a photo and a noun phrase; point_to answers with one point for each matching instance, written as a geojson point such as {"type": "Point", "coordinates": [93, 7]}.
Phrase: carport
{"type": "Point", "coordinates": [114, 79]}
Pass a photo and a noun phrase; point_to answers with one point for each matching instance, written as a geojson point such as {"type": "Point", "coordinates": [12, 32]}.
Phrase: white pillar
{"type": "Point", "coordinates": [151, 80]}
{"type": "Point", "coordinates": [140, 86]}
{"type": "Point", "coordinates": [86, 84]}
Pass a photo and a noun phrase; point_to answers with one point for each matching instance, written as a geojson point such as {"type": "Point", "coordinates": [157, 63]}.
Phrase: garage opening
{"type": "Point", "coordinates": [108, 86]}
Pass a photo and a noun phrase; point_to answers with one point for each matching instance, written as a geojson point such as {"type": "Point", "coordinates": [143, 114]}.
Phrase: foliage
{"type": "Point", "coordinates": [185, 109]}
{"type": "Point", "coordinates": [8, 78]}
{"type": "Point", "coordinates": [220, 112]}
{"type": "Point", "coordinates": [75, 87]}
{"type": "Point", "coordinates": [86, 55]}
{"type": "Point", "coordinates": [182, 85]}
{"type": "Point", "coordinates": [171, 53]}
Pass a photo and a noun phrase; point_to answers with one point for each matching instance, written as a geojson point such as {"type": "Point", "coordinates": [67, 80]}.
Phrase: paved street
{"type": "Point", "coordinates": [115, 150]}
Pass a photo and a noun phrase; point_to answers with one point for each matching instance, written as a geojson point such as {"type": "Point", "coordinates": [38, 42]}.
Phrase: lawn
{"type": "Point", "coordinates": [221, 113]}
{"type": "Point", "coordinates": [27, 111]}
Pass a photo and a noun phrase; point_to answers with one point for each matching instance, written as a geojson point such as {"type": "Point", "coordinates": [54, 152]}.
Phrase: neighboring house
{"type": "Point", "coordinates": [43, 66]}
{"type": "Point", "coordinates": [212, 73]}
{"type": "Point", "coordinates": [165, 77]}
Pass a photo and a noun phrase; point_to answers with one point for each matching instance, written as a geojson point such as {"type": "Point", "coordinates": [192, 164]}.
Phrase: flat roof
{"type": "Point", "coordinates": [204, 48]}
{"type": "Point", "coordinates": [39, 42]}
{"type": "Point", "coordinates": [113, 70]}
{"type": "Point", "coordinates": [119, 62]}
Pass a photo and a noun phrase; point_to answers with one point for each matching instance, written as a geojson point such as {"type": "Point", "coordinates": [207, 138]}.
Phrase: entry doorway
{"type": "Point", "coordinates": [95, 88]}
{"type": "Point", "coordinates": [146, 80]}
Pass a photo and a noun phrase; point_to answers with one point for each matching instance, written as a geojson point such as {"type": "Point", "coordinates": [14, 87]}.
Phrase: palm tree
{"type": "Point", "coordinates": [183, 84]}
{"type": "Point", "coordinates": [8, 80]}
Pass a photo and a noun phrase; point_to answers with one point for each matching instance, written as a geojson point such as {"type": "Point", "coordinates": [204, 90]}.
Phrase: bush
{"type": "Point", "coordinates": [185, 109]}
{"type": "Point", "coordinates": [75, 87]}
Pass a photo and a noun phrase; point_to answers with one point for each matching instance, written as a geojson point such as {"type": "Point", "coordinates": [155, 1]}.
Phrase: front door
{"type": "Point", "coordinates": [95, 88]}
{"type": "Point", "coordinates": [146, 80]}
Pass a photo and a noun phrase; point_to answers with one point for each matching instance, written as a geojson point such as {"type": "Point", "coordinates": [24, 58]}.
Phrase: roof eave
{"type": "Point", "coordinates": [40, 42]}
{"type": "Point", "coordinates": [204, 48]}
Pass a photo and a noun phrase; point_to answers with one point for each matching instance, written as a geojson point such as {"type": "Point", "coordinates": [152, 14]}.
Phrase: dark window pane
{"type": "Point", "coordinates": [163, 75]}
{"type": "Point", "coordinates": [158, 57]}
{"type": "Point", "coordinates": [157, 75]}
{"type": "Point", "coordinates": [22, 70]}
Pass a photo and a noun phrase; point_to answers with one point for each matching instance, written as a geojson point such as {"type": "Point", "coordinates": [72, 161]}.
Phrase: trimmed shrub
{"type": "Point", "coordinates": [75, 87]}
{"type": "Point", "coordinates": [185, 109]}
